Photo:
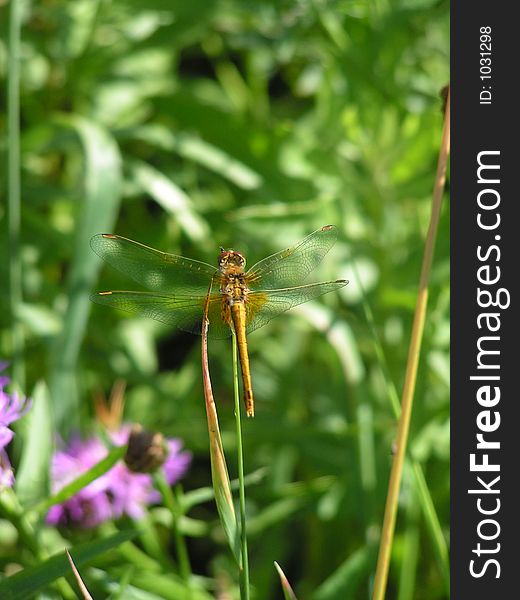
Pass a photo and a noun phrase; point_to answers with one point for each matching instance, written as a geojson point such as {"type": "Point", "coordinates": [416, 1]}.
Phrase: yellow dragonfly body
{"type": "Point", "coordinates": [238, 299]}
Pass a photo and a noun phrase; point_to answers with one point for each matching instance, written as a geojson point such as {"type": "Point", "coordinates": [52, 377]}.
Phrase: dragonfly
{"type": "Point", "coordinates": [236, 300]}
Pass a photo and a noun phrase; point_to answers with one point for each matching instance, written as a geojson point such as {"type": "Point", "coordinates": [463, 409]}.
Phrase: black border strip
{"type": "Point", "coordinates": [484, 523]}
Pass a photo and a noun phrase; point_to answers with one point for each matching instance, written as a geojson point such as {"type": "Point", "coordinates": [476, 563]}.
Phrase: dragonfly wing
{"type": "Point", "coordinates": [155, 270]}
{"type": "Point", "coordinates": [263, 306]}
{"type": "Point", "coordinates": [180, 312]}
{"type": "Point", "coordinates": [291, 266]}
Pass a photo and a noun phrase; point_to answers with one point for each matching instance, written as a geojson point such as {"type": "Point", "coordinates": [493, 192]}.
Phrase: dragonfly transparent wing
{"type": "Point", "coordinates": [263, 306]}
{"type": "Point", "coordinates": [291, 266]}
{"type": "Point", "coordinates": [180, 312]}
{"type": "Point", "coordinates": [155, 270]}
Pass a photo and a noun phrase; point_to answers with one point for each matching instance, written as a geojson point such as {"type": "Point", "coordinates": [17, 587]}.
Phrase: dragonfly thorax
{"type": "Point", "coordinates": [232, 278]}
{"type": "Point", "coordinates": [233, 284]}
{"type": "Point", "coordinates": [233, 287]}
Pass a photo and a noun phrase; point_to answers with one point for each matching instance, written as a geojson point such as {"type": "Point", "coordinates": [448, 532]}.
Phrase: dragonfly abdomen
{"type": "Point", "coordinates": [238, 314]}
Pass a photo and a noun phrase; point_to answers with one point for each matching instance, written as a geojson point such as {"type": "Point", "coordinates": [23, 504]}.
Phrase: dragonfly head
{"type": "Point", "coordinates": [230, 260]}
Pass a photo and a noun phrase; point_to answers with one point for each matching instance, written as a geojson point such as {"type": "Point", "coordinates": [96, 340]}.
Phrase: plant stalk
{"type": "Point", "coordinates": [244, 567]}
{"type": "Point", "coordinates": [387, 534]}
{"type": "Point", "coordinates": [13, 189]}
{"type": "Point", "coordinates": [171, 502]}
{"type": "Point", "coordinates": [423, 493]}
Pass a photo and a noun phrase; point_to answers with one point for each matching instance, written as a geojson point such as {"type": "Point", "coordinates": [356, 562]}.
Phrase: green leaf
{"type": "Point", "coordinates": [172, 199]}
{"type": "Point", "coordinates": [276, 513]}
{"type": "Point", "coordinates": [102, 190]}
{"type": "Point", "coordinates": [39, 319]}
{"type": "Point", "coordinates": [343, 583]}
{"type": "Point", "coordinates": [28, 582]}
{"type": "Point", "coordinates": [288, 593]}
{"type": "Point", "coordinates": [219, 470]}
{"type": "Point", "coordinates": [222, 487]}
{"type": "Point", "coordinates": [204, 494]}
{"type": "Point", "coordinates": [199, 151]}
{"type": "Point", "coordinates": [102, 467]}
{"type": "Point", "coordinates": [168, 587]}
{"type": "Point", "coordinates": [32, 477]}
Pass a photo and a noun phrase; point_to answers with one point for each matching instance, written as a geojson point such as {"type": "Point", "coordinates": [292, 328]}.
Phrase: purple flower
{"type": "Point", "coordinates": [12, 408]}
{"type": "Point", "coordinates": [116, 493]}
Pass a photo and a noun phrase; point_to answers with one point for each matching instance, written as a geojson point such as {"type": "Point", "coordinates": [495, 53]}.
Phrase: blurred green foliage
{"type": "Point", "coordinates": [191, 125]}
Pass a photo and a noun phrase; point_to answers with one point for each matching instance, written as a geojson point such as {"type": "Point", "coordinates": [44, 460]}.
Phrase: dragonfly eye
{"type": "Point", "coordinates": [231, 258]}
{"type": "Point", "coordinates": [238, 259]}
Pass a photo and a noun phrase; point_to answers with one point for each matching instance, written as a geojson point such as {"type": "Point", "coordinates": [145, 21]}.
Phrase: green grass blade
{"type": "Point", "coordinates": [83, 480]}
{"type": "Point", "coordinates": [32, 477]}
{"type": "Point", "coordinates": [199, 151]}
{"type": "Point", "coordinates": [219, 470]}
{"type": "Point", "coordinates": [171, 501]}
{"type": "Point", "coordinates": [28, 582]}
{"type": "Point", "coordinates": [431, 517]}
{"type": "Point", "coordinates": [172, 199]}
{"type": "Point", "coordinates": [288, 593]}
{"type": "Point", "coordinates": [414, 349]}
{"type": "Point", "coordinates": [13, 188]}
{"type": "Point", "coordinates": [204, 494]}
{"type": "Point", "coordinates": [244, 563]}
{"type": "Point", "coordinates": [222, 488]}
{"type": "Point", "coordinates": [167, 587]}
{"type": "Point", "coordinates": [344, 582]}
{"type": "Point", "coordinates": [102, 185]}
{"type": "Point", "coordinates": [410, 549]}
{"type": "Point", "coordinates": [433, 524]}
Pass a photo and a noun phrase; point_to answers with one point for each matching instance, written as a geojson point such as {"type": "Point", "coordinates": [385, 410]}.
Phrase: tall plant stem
{"type": "Point", "coordinates": [13, 188]}
{"type": "Point", "coordinates": [244, 567]}
{"type": "Point", "coordinates": [423, 493]}
{"type": "Point", "coordinates": [171, 501]}
{"type": "Point", "coordinates": [387, 533]}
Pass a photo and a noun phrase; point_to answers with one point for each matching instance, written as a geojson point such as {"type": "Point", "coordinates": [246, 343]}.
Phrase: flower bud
{"type": "Point", "coordinates": [146, 450]}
